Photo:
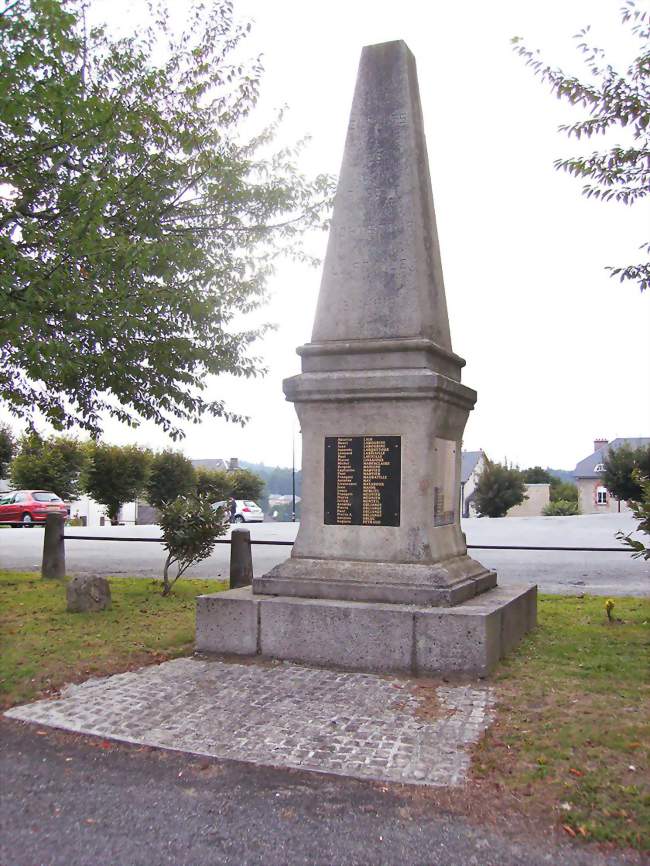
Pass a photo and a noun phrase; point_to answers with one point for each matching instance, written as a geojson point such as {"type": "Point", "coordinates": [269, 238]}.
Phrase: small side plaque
{"type": "Point", "coordinates": [362, 480]}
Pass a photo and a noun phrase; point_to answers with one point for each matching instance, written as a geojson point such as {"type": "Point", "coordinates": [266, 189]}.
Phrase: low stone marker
{"type": "Point", "coordinates": [241, 561]}
{"type": "Point", "coordinates": [53, 565]}
{"type": "Point", "coordinates": [88, 592]}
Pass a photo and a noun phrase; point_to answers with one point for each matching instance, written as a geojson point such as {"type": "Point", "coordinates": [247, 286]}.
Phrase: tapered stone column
{"type": "Point", "coordinates": [379, 576]}
{"type": "Point", "coordinates": [380, 364]}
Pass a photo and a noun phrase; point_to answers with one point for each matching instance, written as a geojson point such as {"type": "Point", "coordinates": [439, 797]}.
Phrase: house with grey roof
{"type": "Point", "coordinates": [471, 466]}
{"type": "Point", "coordinates": [217, 463]}
{"type": "Point", "coordinates": [593, 496]}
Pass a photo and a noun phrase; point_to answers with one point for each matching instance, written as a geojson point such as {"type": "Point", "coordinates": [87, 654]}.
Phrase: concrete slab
{"type": "Point", "coordinates": [468, 638]}
{"type": "Point", "coordinates": [361, 636]}
{"type": "Point", "coordinates": [226, 622]}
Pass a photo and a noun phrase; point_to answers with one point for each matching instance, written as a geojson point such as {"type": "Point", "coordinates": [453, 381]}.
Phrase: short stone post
{"type": "Point", "coordinates": [241, 560]}
{"type": "Point", "coordinates": [53, 547]}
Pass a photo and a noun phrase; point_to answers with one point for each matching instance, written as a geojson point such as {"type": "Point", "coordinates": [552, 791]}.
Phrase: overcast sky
{"type": "Point", "coordinates": [558, 352]}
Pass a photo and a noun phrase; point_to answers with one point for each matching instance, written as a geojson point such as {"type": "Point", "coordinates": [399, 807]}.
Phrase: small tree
{"type": "Point", "coordinates": [141, 212]}
{"type": "Point", "coordinates": [116, 475]}
{"type": "Point", "coordinates": [624, 466]}
{"type": "Point", "coordinates": [190, 527]}
{"type": "Point", "coordinates": [171, 474]}
{"type": "Point", "coordinates": [53, 463]}
{"type": "Point", "coordinates": [212, 483]}
{"type": "Point", "coordinates": [499, 488]}
{"type": "Point", "coordinates": [7, 449]}
{"type": "Point", "coordinates": [641, 511]}
{"type": "Point", "coordinates": [245, 484]}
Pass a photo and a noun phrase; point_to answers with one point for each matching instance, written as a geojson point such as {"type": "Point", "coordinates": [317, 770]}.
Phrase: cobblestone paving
{"type": "Point", "coordinates": [281, 714]}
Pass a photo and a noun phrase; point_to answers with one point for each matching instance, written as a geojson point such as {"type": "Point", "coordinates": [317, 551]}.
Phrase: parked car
{"type": "Point", "coordinates": [247, 511]}
{"type": "Point", "coordinates": [29, 507]}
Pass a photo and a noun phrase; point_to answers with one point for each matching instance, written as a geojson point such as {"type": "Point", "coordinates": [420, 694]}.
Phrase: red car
{"type": "Point", "coordinates": [27, 507]}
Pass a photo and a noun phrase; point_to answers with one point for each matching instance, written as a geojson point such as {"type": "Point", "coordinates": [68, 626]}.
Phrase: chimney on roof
{"type": "Point", "coordinates": [600, 443]}
{"type": "Point", "coordinates": [233, 462]}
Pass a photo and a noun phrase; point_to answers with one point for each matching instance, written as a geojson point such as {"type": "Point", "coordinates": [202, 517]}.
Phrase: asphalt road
{"type": "Point", "coordinates": [555, 572]}
{"type": "Point", "coordinates": [72, 801]}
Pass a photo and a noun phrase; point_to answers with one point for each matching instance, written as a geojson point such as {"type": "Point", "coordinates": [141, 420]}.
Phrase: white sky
{"type": "Point", "coordinates": [558, 352]}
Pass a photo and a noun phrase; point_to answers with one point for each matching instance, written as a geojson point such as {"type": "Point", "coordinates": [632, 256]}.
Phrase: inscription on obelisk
{"type": "Point", "coordinates": [362, 480]}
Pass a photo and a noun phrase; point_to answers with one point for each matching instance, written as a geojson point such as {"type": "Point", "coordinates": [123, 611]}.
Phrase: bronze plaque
{"type": "Point", "coordinates": [362, 480]}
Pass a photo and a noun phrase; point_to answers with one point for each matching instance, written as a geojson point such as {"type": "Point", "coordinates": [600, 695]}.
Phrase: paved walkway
{"type": "Point", "coordinates": [284, 715]}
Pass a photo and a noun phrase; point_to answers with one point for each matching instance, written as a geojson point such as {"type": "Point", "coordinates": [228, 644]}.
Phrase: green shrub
{"type": "Point", "coordinates": [641, 511]}
{"type": "Point", "coordinates": [190, 528]}
{"type": "Point", "coordinates": [564, 491]}
{"type": "Point", "coordinates": [561, 508]}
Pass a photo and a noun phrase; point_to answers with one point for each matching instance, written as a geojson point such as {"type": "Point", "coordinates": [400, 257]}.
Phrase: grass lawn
{"type": "Point", "coordinates": [572, 736]}
{"type": "Point", "coordinates": [42, 646]}
{"type": "Point", "coordinates": [571, 741]}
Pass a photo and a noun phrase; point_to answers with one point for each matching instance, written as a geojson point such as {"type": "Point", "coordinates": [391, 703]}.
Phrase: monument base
{"type": "Point", "coordinates": [468, 638]}
{"type": "Point", "coordinates": [444, 583]}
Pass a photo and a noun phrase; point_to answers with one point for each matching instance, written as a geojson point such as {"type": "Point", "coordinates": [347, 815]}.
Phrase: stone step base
{"type": "Point", "coordinates": [468, 638]}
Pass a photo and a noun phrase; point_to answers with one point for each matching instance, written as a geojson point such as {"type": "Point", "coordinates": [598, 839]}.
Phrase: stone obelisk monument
{"type": "Point", "coordinates": [379, 577]}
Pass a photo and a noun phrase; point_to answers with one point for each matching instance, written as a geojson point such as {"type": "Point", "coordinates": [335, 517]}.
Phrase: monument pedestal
{"type": "Point", "coordinates": [379, 577]}
{"type": "Point", "coordinates": [468, 638]}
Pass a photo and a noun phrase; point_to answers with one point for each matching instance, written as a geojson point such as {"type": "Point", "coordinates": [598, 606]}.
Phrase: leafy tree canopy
{"type": "Point", "coordinates": [7, 449]}
{"type": "Point", "coordinates": [137, 220]}
{"type": "Point", "coordinates": [171, 474]}
{"type": "Point", "coordinates": [245, 484]}
{"type": "Point", "coordinates": [498, 489]}
{"type": "Point", "coordinates": [116, 474]}
{"type": "Point", "coordinates": [623, 468]}
{"type": "Point", "coordinates": [212, 483]}
{"type": "Point", "coordinates": [537, 475]}
{"type": "Point", "coordinates": [54, 463]}
{"type": "Point", "coordinates": [613, 100]}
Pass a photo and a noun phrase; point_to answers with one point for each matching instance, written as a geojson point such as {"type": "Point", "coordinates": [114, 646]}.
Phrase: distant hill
{"type": "Point", "coordinates": [562, 474]}
{"type": "Point", "coordinates": [276, 478]}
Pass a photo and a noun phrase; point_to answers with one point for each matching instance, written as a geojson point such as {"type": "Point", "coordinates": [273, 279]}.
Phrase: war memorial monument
{"type": "Point", "coordinates": [379, 578]}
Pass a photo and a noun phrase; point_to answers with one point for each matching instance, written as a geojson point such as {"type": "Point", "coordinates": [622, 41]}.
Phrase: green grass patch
{"type": "Point", "coordinates": [573, 726]}
{"type": "Point", "coordinates": [42, 646]}
{"type": "Point", "coordinates": [572, 734]}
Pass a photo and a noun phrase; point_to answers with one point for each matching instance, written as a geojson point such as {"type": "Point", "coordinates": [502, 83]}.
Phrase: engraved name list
{"type": "Point", "coordinates": [362, 480]}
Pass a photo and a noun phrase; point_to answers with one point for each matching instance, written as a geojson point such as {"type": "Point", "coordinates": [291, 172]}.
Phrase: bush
{"type": "Point", "coordinates": [190, 528]}
{"type": "Point", "coordinates": [564, 490]}
{"type": "Point", "coordinates": [499, 488]}
{"type": "Point", "coordinates": [561, 508]}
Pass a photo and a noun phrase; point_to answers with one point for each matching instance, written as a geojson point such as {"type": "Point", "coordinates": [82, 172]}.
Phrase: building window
{"type": "Point", "coordinates": [601, 496]}
{"type": "Point", "coordinates": [599, 467]}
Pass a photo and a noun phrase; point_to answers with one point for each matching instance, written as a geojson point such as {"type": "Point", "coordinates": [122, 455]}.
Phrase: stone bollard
{"type": "Point", "coordinates": [88, 592]}
{"type": "Point", "coordinates": [53, 547]}
{"type": "Point", "coordinates": [241, 561]}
